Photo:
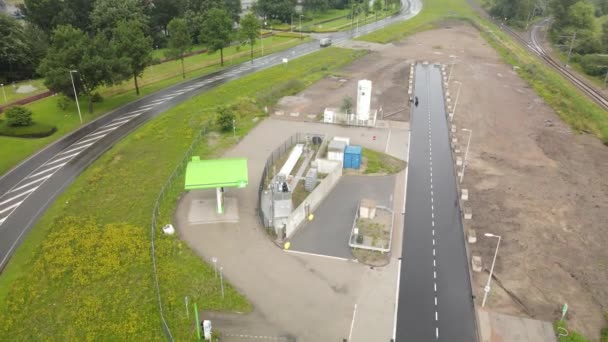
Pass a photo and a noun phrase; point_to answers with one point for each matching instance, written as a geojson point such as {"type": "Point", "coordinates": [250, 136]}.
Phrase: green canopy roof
{"type": "Point", "coordinates": [216, 173]}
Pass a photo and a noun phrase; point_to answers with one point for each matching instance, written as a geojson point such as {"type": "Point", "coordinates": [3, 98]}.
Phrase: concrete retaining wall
{"type": "Point", "coordinates": [312, 202]}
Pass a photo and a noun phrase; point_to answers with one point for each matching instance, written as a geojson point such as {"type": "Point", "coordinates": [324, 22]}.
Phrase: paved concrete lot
{"type": "Point", "coordinates": [305, 297]}
{"type": "Point", "coordinates": [329, 232]}
{"type": "Point", "coordinates": [497, 327]}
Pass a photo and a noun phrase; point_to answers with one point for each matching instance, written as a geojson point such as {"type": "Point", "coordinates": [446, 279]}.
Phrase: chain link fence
{"type": "Point", "coordinates": [171, 182]}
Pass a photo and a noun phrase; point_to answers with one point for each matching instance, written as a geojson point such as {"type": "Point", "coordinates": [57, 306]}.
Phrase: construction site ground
{"type": "Point", "coordinates": [530, 179]}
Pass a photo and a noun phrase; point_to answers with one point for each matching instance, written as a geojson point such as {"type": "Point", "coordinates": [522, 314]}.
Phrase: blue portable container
{"type": "Point", "coordinates": [352, 157]}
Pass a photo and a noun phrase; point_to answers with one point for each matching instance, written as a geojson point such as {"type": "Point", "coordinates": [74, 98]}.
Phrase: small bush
{"type": "Point", "coordinates": [36, 130]}
{"type": "Point", "coordinates": [594, 65]}
{"type": "Point", "coordinates": [63, 102]}
{"type": "Point", "coordinates": [347, 104]}
{"type": "Point", "coordinates": [225, 119]}
{"type": "Point", "coordinates": [18, 116]}
{"type": "Point", "coordinates": [96, 98]}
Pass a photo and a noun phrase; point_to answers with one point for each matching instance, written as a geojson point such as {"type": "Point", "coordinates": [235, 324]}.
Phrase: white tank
{"type": "Point", "coordinates": [364, 99]}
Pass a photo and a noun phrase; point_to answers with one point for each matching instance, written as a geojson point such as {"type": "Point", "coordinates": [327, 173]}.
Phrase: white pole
{"type": "Point", "coordinates": [234, 128]}
{"type": "Point", "coordinates": [214, 259]}
{"type": "Point", "coordinates": [487, 288]}
{"type": "Point", "coordinates": [76, 95]}
{"type": "Point", "coordinates": [466, 153]}
{"type": "Point", "coordinates": [4, 93]}
{"type": "Point", "coordinates": [456, 101]}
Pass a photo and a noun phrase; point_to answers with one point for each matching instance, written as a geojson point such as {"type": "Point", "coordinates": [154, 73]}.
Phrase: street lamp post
{"type": "Point", "coordinates": [486, 289]}
{"type": "Point", "coordinates": [3, 92]}
{"type": "Point", "coordinates": [456, 101]}
{"type": "Point", "coordinates": [76, 95]}
{"type": "Point", "coordinates": [466, 153]}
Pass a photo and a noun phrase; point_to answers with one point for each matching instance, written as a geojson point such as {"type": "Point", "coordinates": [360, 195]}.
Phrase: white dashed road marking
{"type": "Point", "coordinates": [17, 196]}
{"type": "Point", "coordinates": [32, 182]}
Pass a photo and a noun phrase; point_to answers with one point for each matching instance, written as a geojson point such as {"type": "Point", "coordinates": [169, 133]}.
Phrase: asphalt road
{"type": "Point", "coordinates": [435, 299]}
{"type": "Point", "coordinates": [329, 232]}
{"type": "Point", "coordinates": [28, 189]}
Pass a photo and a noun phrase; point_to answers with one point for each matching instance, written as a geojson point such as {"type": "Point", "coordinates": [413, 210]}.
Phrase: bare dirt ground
{"type": "Point", "coordinates": [532, 181]}
{"type": "Point", "coordinates": [387, 71]}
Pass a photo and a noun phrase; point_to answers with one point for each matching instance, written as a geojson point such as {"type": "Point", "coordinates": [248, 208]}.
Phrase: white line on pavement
{"type": "Point", "coordinates": [17, 196]}
{"type": "Point", "coordinates": [433, 242]}
{"type": "Point", "coordinates": [436, 316]}
{"type": "Point", "coordinates": [126, 117]}
{"type": "Point", "coordinates": [32, 182]}
{"type": "Point", "coordinates": [352, 324]}
{"type": "Point", "coordinates": [397, 300]}
{"type": "Point", "coordinates": [434, 263]}
{"type": "Point", "coordinates": [62, 158]}
{"type": "Point", "coordinates": [435, 301]}
{"type": "Point", "coordinates": [146, 107]}
{"type": "Point", "coordinates": [159, 101]}
{"type": "Point", "coordinates": [47, 170]}
{"type": "Point", "coordinates": [318, 255]}
{"type": "Point", "coordinates": [2, 220]}
{"type": "Point", "coordinates": [117, 123]}
{"type": "Point", "coordinates": [89, 139]}
{"type": "Point", "coordinates": [435, 286]}
{"type": "Point", "coordinates": [434, 274]}
{"type": "Point", "coordinates": [11, 207]}
{"type": "Point", "coordinates": [103, 131]}
{"type": "Point", "coordinates": [437, 332]}
{"type": "Point", "coordinates": [76, 149]}
{"type": "Point", "coordinates": [387, 141]}
{"type": "Point", "coordinates": [433, 251]}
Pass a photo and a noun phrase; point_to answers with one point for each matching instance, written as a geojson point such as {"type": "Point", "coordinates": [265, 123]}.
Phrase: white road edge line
{"type": "Point", "coordinates": [352, 323]}
{"type": "Point", "coordinates": [318, 255]}
{"type": "Point", "coordinates": [387, 141]}
{"type": "Point", "coordinates": [397, 301]}
{"type": "Point", "coordinates": [407, 159]}
{"type": "Point", "coordinates": [17, 196]}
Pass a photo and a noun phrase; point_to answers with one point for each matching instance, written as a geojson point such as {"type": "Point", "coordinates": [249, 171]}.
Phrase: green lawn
{"type": "Point", "coordinates": [10, 90]}
{"type": "Point", "coordinates": [433, 12]}
{"type": "Point", "coordinates": [14, 150]}
{"type": "Point", "coordinates": [381, 163]}
{"type": "Point", "coordinates": [65, 284]}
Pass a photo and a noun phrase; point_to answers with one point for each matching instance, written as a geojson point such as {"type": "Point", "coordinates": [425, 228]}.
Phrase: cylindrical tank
{"type": "Point", "coordinates": [364, 99]}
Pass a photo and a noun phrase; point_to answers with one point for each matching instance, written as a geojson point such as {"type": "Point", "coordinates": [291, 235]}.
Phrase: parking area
{"type": "Point", "coordinates": [329, 232]}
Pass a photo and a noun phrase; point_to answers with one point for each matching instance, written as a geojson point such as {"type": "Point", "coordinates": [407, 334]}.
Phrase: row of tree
{"type": "Point", "coordinates": [569, 16]}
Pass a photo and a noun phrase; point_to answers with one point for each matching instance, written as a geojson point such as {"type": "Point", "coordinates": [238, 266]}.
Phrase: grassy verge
{"type": "Point", "coordinates": [45, 111]}
{"type": "Point", "coordinates": [10, 90]}
{"type": "Point", "coordinates": [573, 336]}
{"type": "Point", "coordinates": [41, 283]}
{"type": "Point", "coordinates": [433, 12]}
{"type": "Point", "coordinates": [380, 163]}
{"type": "Point", "coordinates": [572, 106]}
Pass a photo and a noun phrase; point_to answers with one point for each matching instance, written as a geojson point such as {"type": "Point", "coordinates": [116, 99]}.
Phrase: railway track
{"type": "Point", "coordinates": [536, 48]}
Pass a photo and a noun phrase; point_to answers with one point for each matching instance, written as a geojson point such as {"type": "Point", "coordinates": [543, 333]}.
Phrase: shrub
{"type": "Point", "coordinates": [96, 98]}
{"type": "Point", "coordinates": [347, 104]}
{"type": "Point", "coordinates": [63, 102]}
{"type": "Point", "coordinates": [36, 130]}
{"type": "Point", "coordinates": [18, 116]}
{"type": "Point", "coordinates": [594, 65]}
{"type": "Point", "coordinates": [225, 119]}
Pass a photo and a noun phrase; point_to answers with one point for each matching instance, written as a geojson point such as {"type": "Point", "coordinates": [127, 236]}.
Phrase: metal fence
{"type": "Point", "coordinates": [277, 154]}
{"type": "Point", "coordinates": [175, 176]}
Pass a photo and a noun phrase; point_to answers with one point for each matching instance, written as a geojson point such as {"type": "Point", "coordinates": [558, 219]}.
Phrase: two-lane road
{"type": "Point", "coordinates": [435, 299]}
{"type": "Point", "coordinates": [27, 190]}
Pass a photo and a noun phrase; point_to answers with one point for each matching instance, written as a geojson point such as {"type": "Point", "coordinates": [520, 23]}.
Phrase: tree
{"type": "Point", "coordinates": [108, 13]}
{"type": "Point", "coordinates": [276, 9]}
{"type": "Point", "coordinates": [225, 119]}
{"type": "Point", "coordinates": [18, 116]}
{"type": "Point", "coordinates": [347, 104]}
{"type": "Point", "coordinates": [94, 58]}
{"type": "Point", "coordinates": [48, 14]}
{"type": "Point", "coordinates": [605, 36]}
{"type": "Point", "coordinates": [133, 44]}
{"type": "Point", "coordinates": [233, 7]}
{"type": "Point", "coordinates": [13, 49]}
{"type": "Point", "coordinates": [581, 16]}
{"type": "Point", "coordinates": [216, 31]}
{"type": "Point", "coordinates": [180, 41]}
{"type": "Point", "coordinates": [377, 7]}
{"type": "Point", "coordinates": [250, 31]}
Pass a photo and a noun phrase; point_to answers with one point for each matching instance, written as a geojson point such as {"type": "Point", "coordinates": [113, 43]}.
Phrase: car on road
{"type": "Point", "coordinates": [325, 42]}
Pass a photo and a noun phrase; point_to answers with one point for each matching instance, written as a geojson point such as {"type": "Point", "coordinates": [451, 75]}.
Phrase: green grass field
{"type": "Point", "coordinates": [14, 150]}
{"type": "Point", "coordinates": [381, 163]}
{"type": "Point", "coordinates": [10, 90]}
{"type": "Point", "coordinates": [96, 283]}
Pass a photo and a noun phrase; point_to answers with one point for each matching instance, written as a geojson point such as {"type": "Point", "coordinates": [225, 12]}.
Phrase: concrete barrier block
{"type": "Point", "coordinates": [468, 213]}
{"type": "Point", "coordinates": [476, 263]}
{"type": "Point", "coordinates": [464, 195]}
{"type": "Point", "coordinates": [455, 140]}
{"type": "Point", "coordinates": [471, 236]}
{"type": "Point", "coordinates": [456, 150]}
{"type": "Point", "coordinates": [458, 161]}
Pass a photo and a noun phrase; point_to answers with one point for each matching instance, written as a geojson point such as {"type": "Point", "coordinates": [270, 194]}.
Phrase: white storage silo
{"type": "Point", "coordinates": [364, 99]}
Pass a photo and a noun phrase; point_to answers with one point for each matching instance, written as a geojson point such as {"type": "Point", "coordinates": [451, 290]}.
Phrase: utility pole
{"type": "Point", "coordinates": [570, 50]}
{"type": "Point", "coordinates": [75, 94]}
